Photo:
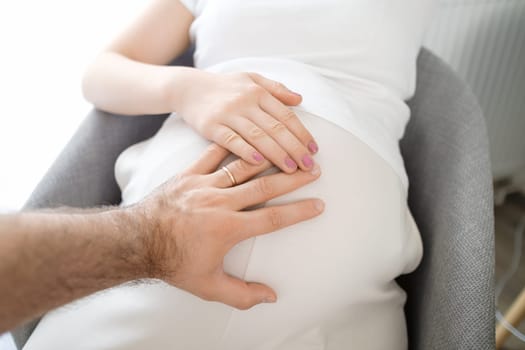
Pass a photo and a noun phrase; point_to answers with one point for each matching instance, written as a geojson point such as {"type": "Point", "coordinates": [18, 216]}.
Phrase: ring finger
{"type": "Point", "coordinates": [240, 170]}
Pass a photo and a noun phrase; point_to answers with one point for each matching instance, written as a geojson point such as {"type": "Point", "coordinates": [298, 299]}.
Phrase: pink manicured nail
{"type": "Point", "coordinates": [290, 163]}
{"type": "Point", "coordinates": [312, 146]}
{"type": "Point", "coordinates": [307, 161]}
{"type": "Point", "coordinates": [258, 157]}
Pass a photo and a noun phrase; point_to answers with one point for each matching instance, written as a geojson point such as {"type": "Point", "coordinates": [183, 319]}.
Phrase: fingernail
{"type": "Point", "coordinates": [290, 163]}
{"type": "Point", "coordinates": [307, 161]}
{"type": "Point", "coordinates": [319, 205]}
{"type": "Point", "coordinates": [258, 157]}
{"type": "Point", "coordinates": [312, 146]}
{"type": "Point", "coordinates": [269, 299]}
{"type": "Point", "coordinates": [293, 92]}
{"type": "Point", "coordinates": [316, 170]}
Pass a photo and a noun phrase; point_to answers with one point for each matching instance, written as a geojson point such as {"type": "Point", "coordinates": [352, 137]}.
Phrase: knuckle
{"type": "Point", "coordinates": [264, 186]}
{"type": "Point", "coordinates": [256, 132]}
{"type": "Point", "coordinates": [202, 198]}
{"type": "Point", "coordinates": [230, 137]}
{"type": "Point", "coordinates": [254, 89]}
{"type": "Point", "coordinates": [231, 102]}
{"type": "Point", "coordinates": [192, 182]}
{"type": "Point", "coordinates": [214, 199]}
{"type": "Point", "coordinates": [178, 183]}
{"type": "Point", "coordinates": [275, 218]}
{"type": "Point", "coordinates": [244, 302]}
{"type": "Point", "coordinates": [178, 179]}
{"type": "Point", "coordinates": [252, 75]}
{"type": "Point", "coordinates": [277, 127]}
{"type": "Point", "coordinates": [239, 76]}
{"type": "Point", "coordinates": [241, 167]}
{"type": "Point", "coordinates": [275, 85]}
{"type": "Point", "coordinates": [288, 116]}
{"type": "Point", "coordinates": [214, 151]}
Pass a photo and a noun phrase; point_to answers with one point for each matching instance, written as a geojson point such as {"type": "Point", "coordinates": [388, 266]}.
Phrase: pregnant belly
{"type": "Point", "coordinates": [334, 275]}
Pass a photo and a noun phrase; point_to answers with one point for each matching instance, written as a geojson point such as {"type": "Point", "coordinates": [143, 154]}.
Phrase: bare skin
{"type": "Point", "coordinates": [244, 112]}
{"type": "Point", "coordinates": [180, 234]}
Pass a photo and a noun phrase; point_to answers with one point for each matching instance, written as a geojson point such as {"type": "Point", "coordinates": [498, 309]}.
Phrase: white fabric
{"type": "Point", "coordinates": [334, 275]}
{"type": "Point", "coordinates": [354, 63]}
{"type": "Point", "coordinates": [352, 60]}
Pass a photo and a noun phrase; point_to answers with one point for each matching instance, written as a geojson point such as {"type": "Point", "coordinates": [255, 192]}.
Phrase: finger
{"type": "Point", "coordinates": [209, 160]}
{"type": "Point", "coordinates": [287, 116]}
{"type": "Point", "coordinates": [241, 171]}
{"type": "Point", "coordinates": [259, 139]}
{"type": "Point", "coordinates": [284, 137]}
{"type": "Point", "coordinates": [240, 294]}
{"type": "Point", "coordinates": [267, 187]}
{"type": "Point", "coordinates": [269, 219]}
{"type": "Point", "coordinates": [277, 89]}
{"type": "Point", "coordinates": [231, 140]}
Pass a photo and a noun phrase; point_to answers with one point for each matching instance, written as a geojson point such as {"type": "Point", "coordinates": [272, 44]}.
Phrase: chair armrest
{"type": "Point", "coordinates": [82, 175]}
{"type": "Point", "coordinates": [450, 296]}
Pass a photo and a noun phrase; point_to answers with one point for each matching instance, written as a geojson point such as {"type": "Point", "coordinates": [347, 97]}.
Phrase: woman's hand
{"type": "Point", "coordinates": [247, 114]}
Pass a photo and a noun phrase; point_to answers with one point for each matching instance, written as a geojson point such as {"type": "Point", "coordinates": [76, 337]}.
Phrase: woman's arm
{"type": "Point", "coordinates": [129, 77]}
{"type": "Point", "coordinates": [243, 112]}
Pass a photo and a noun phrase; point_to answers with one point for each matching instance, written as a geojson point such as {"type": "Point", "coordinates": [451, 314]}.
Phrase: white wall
{"type": "Point", "coordinates": [484, 40]}
{"type": "Point", "coordinates": [44, 47]}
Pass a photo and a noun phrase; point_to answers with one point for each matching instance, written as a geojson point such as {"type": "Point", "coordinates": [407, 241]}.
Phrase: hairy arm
{"type": "Point", "coordinates": [180, 233]}
{"type": "Point", "coordinates": [48, 259]}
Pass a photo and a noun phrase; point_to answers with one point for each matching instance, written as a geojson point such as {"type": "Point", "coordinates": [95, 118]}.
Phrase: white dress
{"type": "Point", "coordinates": [334, 275]}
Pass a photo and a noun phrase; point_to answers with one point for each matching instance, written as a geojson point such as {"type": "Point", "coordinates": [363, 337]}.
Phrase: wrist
{"type": "Point", "coordinates": [179, 82]}
{"type": "Point", "coordinates": [132, 233]}
{"type": "Point", "coordinates": [151, 244]}
{"type": "Point", "coordinates": [182, 83]}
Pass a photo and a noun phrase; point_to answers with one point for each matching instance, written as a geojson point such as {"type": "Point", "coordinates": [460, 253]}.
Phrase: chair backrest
{"type": "Point", "coordinates": [445, 148]}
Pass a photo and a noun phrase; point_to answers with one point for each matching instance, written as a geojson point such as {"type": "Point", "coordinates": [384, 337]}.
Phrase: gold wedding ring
{"type": "Point", "coordinates": [230, 175]}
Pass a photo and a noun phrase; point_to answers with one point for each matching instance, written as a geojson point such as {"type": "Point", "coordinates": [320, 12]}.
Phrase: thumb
{"type": "Point", "coordinates": [240, 294]}
{"type": "Point", "coordinates": [278, 90]}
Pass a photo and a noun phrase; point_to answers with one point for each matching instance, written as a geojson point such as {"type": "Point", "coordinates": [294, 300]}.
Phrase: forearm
{"type": "Point", "coordinates": [117, 84]}
{"type": "Point", "coordinates": [49, 259]}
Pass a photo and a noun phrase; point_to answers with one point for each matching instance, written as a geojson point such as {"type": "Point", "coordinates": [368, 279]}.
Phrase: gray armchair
{"type": "Point", "coordinates": [450, 296]}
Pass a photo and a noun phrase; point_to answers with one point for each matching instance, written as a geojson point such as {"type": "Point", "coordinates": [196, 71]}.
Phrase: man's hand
{"type": "Point", "coordinates": [180, 233]}
{"type": "Point", "coordinates": [196, 218]}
